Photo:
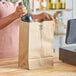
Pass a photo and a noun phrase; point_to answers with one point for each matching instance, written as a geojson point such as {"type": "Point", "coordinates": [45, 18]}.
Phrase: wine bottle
{"type": "Point", "coordinates": [63, 4]}
{"type": "Point", "coordinates": [54, 4]}
{"type": "Point", "coordinates": [31, 5]}
{"type": "Point", "coordinates": [59, 4]}
{"type": "Point", "coordinates": [50, 4]}
{"type": "Point", "coordinates": [26, 18]}
{"type": "Point", "coordinates": [47, 7]}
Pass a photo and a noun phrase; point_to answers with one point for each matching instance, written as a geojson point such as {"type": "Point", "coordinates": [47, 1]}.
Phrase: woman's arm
{"type": "Point", "coordinates": [7, 20]}
{"type": "Point", "coordinates": [20, 11]}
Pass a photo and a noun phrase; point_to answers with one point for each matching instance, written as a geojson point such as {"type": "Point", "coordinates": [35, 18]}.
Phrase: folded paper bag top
{"type": "Point", "coordinates": [36, 44]}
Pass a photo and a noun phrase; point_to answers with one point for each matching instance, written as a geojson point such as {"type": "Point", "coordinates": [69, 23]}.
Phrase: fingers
{"type": "Point", "coordinates": [51, 17]}
{"type": "Point", "coordinates": [47, 16]}
{"type": "Point", "coordinates": [21, 10]}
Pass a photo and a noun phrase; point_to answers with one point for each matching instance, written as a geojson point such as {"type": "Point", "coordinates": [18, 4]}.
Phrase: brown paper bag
{"type": "Point", "coordinates": [36, 42]}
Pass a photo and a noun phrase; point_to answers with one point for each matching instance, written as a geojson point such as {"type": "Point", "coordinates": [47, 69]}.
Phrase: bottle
{"type": "Point", "coordinates": [26, 18]}
{"type": "Point", "coordinates": [37, 4]}
{"type": "Point", "coordinates": [59, 4]}
{"type": "Point", "coordinates": [54, 4]}
{"type": "Point", "coordinates": [31, 5]}
{"type": "Point", "coordinates": [50, 4]}
{"type": "Point", "coordinates": [63, 4]}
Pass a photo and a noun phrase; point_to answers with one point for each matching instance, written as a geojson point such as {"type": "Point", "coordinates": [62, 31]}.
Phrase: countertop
{"type": "Point", "coordinates": [9, 67]}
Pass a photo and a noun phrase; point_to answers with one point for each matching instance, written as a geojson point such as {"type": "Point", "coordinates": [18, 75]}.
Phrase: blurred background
{"type": "Point", "coordinates": [64, 10]}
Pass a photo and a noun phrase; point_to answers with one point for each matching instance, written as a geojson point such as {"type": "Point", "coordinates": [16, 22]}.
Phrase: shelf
{"type": "Point", "coordinates": [58, 10]}
{"type": "Point", "coordinates": [52, 10]}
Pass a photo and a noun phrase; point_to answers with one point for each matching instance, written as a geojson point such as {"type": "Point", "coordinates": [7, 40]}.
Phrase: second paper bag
{"type": "Point", "coordinates": [36, 42]}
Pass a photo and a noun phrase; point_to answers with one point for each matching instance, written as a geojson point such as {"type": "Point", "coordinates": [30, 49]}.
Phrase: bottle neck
{"type": "Point", "coordinates": [59, 0]}
{"type": "Point", "coordinates": [50, 1]}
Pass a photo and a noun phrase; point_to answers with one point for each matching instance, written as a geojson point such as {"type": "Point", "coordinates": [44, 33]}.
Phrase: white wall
{"type": "Point", "coordinates": [74, 9]}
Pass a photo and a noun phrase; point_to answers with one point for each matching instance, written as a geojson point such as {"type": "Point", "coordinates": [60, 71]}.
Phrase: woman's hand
{"type": "Point", "coordinates": [20, 11]}
{"type": "Point", "coordinates": [45, 17]}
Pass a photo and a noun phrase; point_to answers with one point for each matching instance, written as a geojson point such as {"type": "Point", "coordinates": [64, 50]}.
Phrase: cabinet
{"type": "Point", "coordinates": [68, 54]}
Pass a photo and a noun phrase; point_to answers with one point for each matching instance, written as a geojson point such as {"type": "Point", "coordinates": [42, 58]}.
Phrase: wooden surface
{"type": "Point", "coordinates": [9, 67]}
{"type": "Point", "coordinates": [68, 55]}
